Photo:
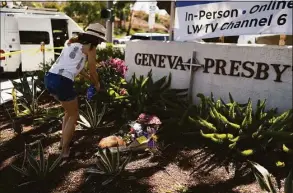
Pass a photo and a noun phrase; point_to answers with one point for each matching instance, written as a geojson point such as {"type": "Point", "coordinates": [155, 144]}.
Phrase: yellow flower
{"type": "Point", "coordinates": [154, 137]}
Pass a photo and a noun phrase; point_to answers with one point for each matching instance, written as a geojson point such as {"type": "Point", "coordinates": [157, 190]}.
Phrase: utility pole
{"type": "Point", "coordinates": [172, 20]}
{"type": "Point", "coordinates": [109, 23]}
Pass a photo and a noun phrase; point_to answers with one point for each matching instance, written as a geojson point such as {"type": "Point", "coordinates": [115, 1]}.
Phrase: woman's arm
{"type": "Point", "coordinates": [85, 75]}
{"type": "Point", "coordinates": [92, 68]}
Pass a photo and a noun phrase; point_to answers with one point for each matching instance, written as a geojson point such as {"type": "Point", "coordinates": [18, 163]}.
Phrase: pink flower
{"type": "Point", "coordinates": [149, 119]}
{"type": "Point", "coordinates": [123, 91]}
{"type": "Point", "coordinates": [116, 64]}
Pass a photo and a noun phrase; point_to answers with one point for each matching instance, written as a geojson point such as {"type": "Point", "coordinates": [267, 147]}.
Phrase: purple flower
{"type": "Point", "coordinates": [151, 143]}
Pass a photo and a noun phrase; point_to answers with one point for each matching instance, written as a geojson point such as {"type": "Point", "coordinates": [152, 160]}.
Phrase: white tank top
{"type": "Point", "coordinates": [70, 62]}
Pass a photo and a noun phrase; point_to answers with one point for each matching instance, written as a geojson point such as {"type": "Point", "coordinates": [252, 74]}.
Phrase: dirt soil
{"type": "Point", "coordinates": [179, 169]}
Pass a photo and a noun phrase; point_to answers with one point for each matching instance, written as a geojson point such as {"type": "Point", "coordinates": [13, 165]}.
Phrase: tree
{"type": "Point", "coordinates": [84, 12]}
{"type": "Point", "coordinates": [54, 5]}
{"type": "Point", "coordinates": [122, 10]}
{"type": "Point", "coordinates": [51, 4]}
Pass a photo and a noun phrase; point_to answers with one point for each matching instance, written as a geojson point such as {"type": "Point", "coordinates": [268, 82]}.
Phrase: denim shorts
{"type": "Point", "coordinates": [59, 86]}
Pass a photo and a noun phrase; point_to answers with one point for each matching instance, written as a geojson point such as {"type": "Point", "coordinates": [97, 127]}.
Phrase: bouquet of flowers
{"type": "Point", "coordinates": [112, 73]}
{"type": "Point", "coordinates": [145, 128]}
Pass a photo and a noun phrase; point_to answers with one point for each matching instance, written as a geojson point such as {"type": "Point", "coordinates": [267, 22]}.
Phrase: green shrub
{"type": "Point", "coordinates": [241, 129]}
{"type": "Point", "coordinates": [104, 54]}
{"type": "Point", "coordinates": [144, 95]}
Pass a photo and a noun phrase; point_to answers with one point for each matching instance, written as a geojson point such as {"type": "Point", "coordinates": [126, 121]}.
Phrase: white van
{"type": "Point", "coordinates": [23, 29]}
{"type": "Point", "coordinates": [150, 36]}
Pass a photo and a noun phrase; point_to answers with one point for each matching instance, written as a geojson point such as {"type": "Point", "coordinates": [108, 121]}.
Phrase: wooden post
{"type": "Point", "coordinates": [282, 40]}
{"type": "Point", "coordinates": [43, 51]}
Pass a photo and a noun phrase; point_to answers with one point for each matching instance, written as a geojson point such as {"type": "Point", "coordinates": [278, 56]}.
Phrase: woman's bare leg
{"type": "Point", "coordinates": [71, 109]}
{"type": "Point", "coordinates": [64, 121]}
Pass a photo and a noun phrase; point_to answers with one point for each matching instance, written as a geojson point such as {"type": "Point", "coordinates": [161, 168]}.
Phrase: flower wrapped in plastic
{"type": "Point", "coordinates": [91, 91]}
{"type": "Point", "coordinates": [149, 120]}
{"type": "Point", "coordinates": [146, 127]}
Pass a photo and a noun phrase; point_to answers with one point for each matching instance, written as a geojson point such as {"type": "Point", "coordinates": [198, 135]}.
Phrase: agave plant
{"type": "Point", "coordinates": [264, 180]}
{"type": "Point", "coordinates": [29, 99]}
{"type": "Point", "coordinates": [36, 167]}
{"type": "Point", "coordinates": [109, 163]}
{"type": "Point", "coordinates": [241, 128]}
{"type": "Point", "coordinates": [91, 117]}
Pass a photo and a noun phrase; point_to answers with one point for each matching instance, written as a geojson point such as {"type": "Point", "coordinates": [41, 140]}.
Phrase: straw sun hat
{"type": "Point", "coordinates": [97, 30]}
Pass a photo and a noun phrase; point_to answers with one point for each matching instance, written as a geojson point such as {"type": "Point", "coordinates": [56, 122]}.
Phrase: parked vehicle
{"type": "Point", "coordinates": [121, 40]}
{"type": "Point", "coordinates": [23, 29]}
{"type": "Point", "coordinates": [150, 36]}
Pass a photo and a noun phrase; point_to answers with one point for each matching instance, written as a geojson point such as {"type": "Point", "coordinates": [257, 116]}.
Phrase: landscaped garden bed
{"type": "Point", "coordinates": [208, 147]}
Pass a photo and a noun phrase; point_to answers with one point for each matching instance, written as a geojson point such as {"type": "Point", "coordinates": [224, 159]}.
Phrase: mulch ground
{"type": "Point", "coordinates": [180, 168]}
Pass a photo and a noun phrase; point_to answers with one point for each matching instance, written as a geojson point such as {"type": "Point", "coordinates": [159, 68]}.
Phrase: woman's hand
{"type": "Point", "coordinates": [97, 86]}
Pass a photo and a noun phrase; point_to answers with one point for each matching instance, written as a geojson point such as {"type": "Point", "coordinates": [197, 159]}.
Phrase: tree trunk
{"type": "Point", "coordinates": [129, 26]}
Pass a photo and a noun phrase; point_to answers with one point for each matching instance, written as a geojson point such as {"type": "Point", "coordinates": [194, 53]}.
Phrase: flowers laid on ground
{"type": "Point", "coordinates": [144, 129]}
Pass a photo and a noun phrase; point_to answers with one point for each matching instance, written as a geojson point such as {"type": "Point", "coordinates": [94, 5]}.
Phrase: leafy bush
{"type": "Point", "coordinates": [241, 129]}
{"type": "Point", "coordinates": [111, 72]}
{"type": "Point", "coordinates": [108, 52]}
{"type": "Point", "coordinates": [144, 95]}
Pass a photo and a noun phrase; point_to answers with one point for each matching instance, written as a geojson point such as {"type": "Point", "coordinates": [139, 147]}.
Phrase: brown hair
{"type": "Point", "coordinates": [73, 40]}
{"type": "Point", "coordinates": [85, 38]}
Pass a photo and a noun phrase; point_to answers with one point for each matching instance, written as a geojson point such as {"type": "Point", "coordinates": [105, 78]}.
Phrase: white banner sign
{"type": "Point", "coordinates": [198, 20]}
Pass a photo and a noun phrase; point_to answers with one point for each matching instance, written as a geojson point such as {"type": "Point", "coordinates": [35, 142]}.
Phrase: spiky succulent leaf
{"type": "Point", "coordinates": [224, 136]}
{"type": "Point", "coordinates": [263, 177]}
{"type": "Point", "coordinates": [280, 164]}
{"type": "Point", "coordinates": [247, 152]}
{"type": "Point", "coordinates": [223, 119]}
{"type": "Point", "coordinates": [203, 123]}
{"type": "Point", "coordinates": [286, 149]}
{"type": "Point", "coordinates": [55, 163]}
{"type": "Point", "coordinates": [289, 182]}
{"type": "Point", "coordinates": [235, 139]}
{"type": "Point", "coordinates": [209, 135]}
{"type": "Point", "coordinates": [248, 115]}
{"type": "Point", "coordinates": [20, 170]}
